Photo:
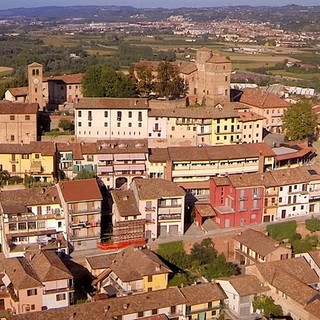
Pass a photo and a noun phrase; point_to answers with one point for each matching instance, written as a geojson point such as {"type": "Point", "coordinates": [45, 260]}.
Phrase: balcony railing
{"type": "Point", "coordinates": [85, 224]}
{"type": "Point", "coordinates": [153, 209]}
{"type": "Point", "coordinates": [84, 211]}
{"type": "Point", "coordinates": [169, 216]}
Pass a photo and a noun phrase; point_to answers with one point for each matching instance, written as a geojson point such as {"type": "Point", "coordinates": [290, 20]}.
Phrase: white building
{"type": "Point", "coordinates": [162, 204]}
{"type": "Point", "coordinates": [106, 118]}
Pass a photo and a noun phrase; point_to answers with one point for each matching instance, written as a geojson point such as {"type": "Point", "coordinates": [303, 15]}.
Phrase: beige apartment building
{"type": "Point", "coordinates": [18, 122]}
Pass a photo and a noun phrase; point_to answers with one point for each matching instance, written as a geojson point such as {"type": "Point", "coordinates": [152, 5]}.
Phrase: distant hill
{"type": "Point", "coordinates": [290, 17]}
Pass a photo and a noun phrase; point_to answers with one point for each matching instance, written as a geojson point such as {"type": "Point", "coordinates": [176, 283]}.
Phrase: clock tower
{"type": "Point", "coordinates": [35, 84]}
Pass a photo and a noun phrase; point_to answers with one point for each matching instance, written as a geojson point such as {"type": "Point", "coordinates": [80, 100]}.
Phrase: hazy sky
{"type": "Point", "coordinates": [5, 4]}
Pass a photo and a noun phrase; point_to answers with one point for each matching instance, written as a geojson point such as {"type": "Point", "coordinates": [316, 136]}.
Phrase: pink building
{"type": "Point", "coordinates": [237, 200]}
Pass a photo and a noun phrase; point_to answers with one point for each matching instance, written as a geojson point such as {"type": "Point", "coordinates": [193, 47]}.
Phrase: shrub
{"type": "Point", "coordinates": [283, 230]}
{"type": "Point", "coordinates": [313, 224]}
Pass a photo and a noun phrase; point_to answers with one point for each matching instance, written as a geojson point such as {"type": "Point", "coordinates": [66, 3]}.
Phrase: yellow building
{"type": "Point", "coordinates": [147, 272]}
{"type": "Point", "coordinates": [36, 159]}
{"type": "Point", "coordinates": [204, 301]}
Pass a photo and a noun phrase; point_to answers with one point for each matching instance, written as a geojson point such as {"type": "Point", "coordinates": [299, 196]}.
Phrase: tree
{"type": "Point", "coordinates": [168, 82]}
{"type": "Point", "coordinates": [313, 224]}
{"type": "Point", "coordinates": [267, 306]}
{"type": "Point", "coordinates": [203, 252]}
{"type": "Point", "coordinates": [4, 176]}
{"type": "Point", "coordinates": [174, 253]}
{"type": "Point", "coordinates": [145, 80]}
{"type": "Point", "coordinates": [65, 125]}
{"type": "Point", "coordinates": [219, 267]}
{"type": "Point", "coordinates": [299, 121]}
{"type": "Point", "coordinates": [84, 174]}
{"type": "Point", "coordinates": [103, 81]}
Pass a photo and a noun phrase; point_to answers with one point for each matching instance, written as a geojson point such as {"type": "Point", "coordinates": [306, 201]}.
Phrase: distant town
{"type": "Point", "coordinates": [160, 164]}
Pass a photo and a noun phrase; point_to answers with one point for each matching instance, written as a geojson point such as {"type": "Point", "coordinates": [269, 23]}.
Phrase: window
{"type": "Point", "coordinates": [154, 311]}
{"type": "Point", "coordinates": [31, 292]}
{"type": "Point", "coordinates": [150, 278]}
{"type": "Point", "coordinates": [89, 115]}
{"type": "Point", "coordinates": [79, 113]}
{"type": "Point", "coordinates": [140, 116]}
{"type": "Point", "coordinates": [129, 124]}
{"type": "Point", "coordinates": [12, 117]}
{"type": "Point", "coordinates": [106, 124]}
{"type": "Point", "coordinates": [139, 124]}
{"type": "Point", "coordinates": [140, 314]}
{"type": "Point", "coordinates": [33, 307]}
{"type": "Point", "coordinates": [60, 297]}
{"type": "Point", "coordinates": [106, 114]}
{"type": "Point", "coordinates": [173, 309]}
{"type": "Point", "coordinates": [119, 116]}
{"type": "Point", "coordinates": [130, 114]}
{"type": "Point", "coordinates": [14, 168]}
{"type": "Point", "coordinates": [89, 124]}
{"type": "Point", "coordinates": [90, 157]}
{"type": "Point", "coordinates": [12, 137]}
{"type": "Point", "coordinates": [26, 117]}
{"type": "Point", "coordinates": [79, 124]}
{"type": "Point", "coordinates": [37, 156]}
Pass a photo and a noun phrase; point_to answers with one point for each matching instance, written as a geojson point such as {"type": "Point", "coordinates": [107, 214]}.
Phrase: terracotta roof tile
{"type": "Point", "coordinates": [49, 267]}
{"type": "Point", "coordinates": [249, 116]}
{"type": "Point", "coordinates": [262, 99]}
{"type": "Point", "coordinates": [19, 91]}
{"type": "Point", "coordinates": [80, 190]}
{"type": "Point", "coordinates": [112, 103]}
{"type": "Point", "coordinates": [20, 273]}
{"type": "Point", "coordinates": [188, 68]}
{"type": "Point", "coordinates": [74, 78]}
{"type": "Point", "coordinates": [201, 293]}
{"type": "Point", "coordinates": [125, 202]}
{"type": "Point", "coordinates": [247, 285]}
{"type": "Point", "coordinates": [257, 241]}
{"type": "Point", "coordinates": [131, 263]}
{"type": "Point", "coordinates": [205, 209]}
{"type": "Point", "coordinates": [149, 189]}
{"type": "Point", "coordinates": [18, 201]}
{"type": "Point", "coordinates": [8, 107]}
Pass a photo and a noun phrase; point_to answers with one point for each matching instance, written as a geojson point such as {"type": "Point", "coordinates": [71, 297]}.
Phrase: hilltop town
{"type": "Point", "coordinates": [168, 191]}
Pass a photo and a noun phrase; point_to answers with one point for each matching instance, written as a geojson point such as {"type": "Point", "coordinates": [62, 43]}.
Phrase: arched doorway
{"type": "Point", "coordinates": [122, 183]}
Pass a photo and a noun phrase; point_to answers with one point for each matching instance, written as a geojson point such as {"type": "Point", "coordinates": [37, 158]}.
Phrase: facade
{"type": "Point", "coordinates": [36, 159]}
{"type": "Point", "coordinates": [81, 203]}
{"type": "Point", "coordinates": [18, 122]}
{"type": "Point", "coordinates": [252, 246]}
{"type": "Point", "coordinates": [218, 125]}
{"type": "Point", "coordinates": [63, 89]}
{"type": "Point", "coordinates": [267, 105]}
{"type": "Point", "coordinates": [237, 199]}
{"type": "Point", "coordinates": [147, 272]}
{"type": "Point", "coordinates": [127, 224]}
{"type": "Point", "coordinates": [106, 118]}
{"type": "Point", "coordinates": [192, 167]}
{"type": "Point", "coordinates": [162, 205]}
{"type": "Point", "coordinates": [31, 218]}
{"type": "Point", "coordinates": [208, 77]}
{"type": "Point", "coordinates": [251, 127]}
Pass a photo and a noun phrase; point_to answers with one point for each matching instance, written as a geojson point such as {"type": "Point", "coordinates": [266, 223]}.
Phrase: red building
{"type": "Point", "coordinates": [237, 199]}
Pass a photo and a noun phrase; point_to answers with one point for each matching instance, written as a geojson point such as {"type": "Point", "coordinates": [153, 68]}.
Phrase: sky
{"type": "Point", "coordinates": [5, 4]}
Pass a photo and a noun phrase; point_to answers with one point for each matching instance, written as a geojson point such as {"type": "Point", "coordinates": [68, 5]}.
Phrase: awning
{"type": "Point", "coordinates": [105, 169]}
{"type": "Point", "coordinates": [105, 157]}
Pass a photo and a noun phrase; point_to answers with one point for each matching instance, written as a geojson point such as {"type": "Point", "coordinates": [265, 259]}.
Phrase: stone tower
{"type": "Point", "coordinates": [35, 84]}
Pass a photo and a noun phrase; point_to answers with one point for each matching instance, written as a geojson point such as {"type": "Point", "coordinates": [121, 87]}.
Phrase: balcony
{"type": "Point", "coordinates": [58, 290]}
{"type": "Point", "coordinates": [80, 212]}
{"type": "Point", "coordinates": [243, 197]}
{"type": "Point", "coordinates": [14, 161]}
{"type": "Point", "coordinates": [153, 209]}
{"type": "Point", "coordinates": [156, 130]}
{"type": "Point", "coordinates": [173, 216]}
{"type": "Point", "coordinates": [85, 224]}
{"type": "Point", "coordinates": [256, 197]}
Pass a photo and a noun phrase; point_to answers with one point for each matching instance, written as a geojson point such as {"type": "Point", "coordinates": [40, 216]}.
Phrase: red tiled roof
{"type": "Point", "coordinates": [75, 78]}
{"type": "Point", "coordinates": [8, 107]}
{"type": "Point", "coordinates": [19, 91]}
{"type": "Point", "coordinates": [262, 99]}
{"type": "Point", "coordinates": [80, 190]}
